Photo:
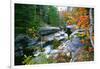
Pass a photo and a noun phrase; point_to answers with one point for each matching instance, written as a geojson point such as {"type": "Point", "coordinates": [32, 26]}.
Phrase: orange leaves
{"type": "Point", "coordinates": [83, 18]}
{"type": "Point", "coordinates": [82, 41]}
{"type": "Point", "coordinates": [79, 16]}
{"type": "Point", "coordinates": [83, 22]}
{"type": "Point", "coordinates": [82, 11]}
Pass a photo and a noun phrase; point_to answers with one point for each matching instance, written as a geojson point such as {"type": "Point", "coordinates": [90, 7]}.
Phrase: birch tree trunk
{"type": "Point", "coordinates": [91, 26]}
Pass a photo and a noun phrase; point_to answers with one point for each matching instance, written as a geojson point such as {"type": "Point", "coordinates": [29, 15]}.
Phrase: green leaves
{"type": "Point", "coordinates": [41, 59]}
{"type": "Point", "coordinates": [28, 60]}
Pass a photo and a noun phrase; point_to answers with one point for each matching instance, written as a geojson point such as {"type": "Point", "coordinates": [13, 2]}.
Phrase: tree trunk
{"type": "Point", "coordinates": [91, 26]}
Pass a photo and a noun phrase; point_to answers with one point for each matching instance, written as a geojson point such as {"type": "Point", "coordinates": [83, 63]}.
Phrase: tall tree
{"type": "Point", "coordinates": [53, 16]}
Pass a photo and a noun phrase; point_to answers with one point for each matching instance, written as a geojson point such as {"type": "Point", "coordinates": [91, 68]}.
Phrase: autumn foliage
{"type": "Point", "coordinates": [79, 16]}
{"type": "Point", "coordinates": [83, 22]}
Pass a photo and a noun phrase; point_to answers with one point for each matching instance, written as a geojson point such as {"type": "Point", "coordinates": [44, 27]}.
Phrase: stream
{"type": "Point", "coordinates": [67, 45]}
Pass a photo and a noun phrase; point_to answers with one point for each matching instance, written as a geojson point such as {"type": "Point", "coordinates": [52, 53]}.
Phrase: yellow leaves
{"type": "Point", "coordinates": [87, 34]}
{"type": "Point", "coordinates": [83, 34]}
